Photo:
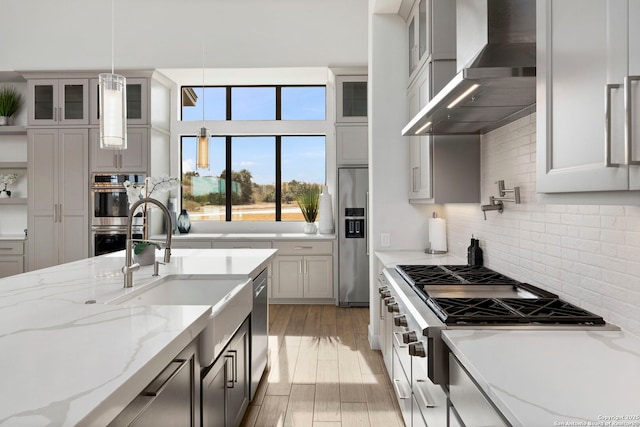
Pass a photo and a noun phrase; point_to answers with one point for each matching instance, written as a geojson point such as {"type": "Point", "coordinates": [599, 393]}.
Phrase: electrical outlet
{"type": "Point", "coordinates": [385, 240]}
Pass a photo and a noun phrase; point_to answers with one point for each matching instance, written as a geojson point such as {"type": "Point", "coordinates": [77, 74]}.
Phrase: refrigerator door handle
{"type": "Point", "coordinates": [366, 219]}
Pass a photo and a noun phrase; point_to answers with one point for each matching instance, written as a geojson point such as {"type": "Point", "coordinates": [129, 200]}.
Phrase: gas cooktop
{"type": "Point", "coordinates": [461, 294]}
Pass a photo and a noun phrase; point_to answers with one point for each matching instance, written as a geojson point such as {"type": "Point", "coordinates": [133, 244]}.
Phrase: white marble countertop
{"type": "Point", "coordinates": [554, 378]}
{"type": "Point", "coordinates": [64, 362]}
{"type": "Point", "coordinates": [248, 236]}
{"type": "Point", "coordinates": [20, 236]}
{"type": "Point", "coordinates": [415, 257]}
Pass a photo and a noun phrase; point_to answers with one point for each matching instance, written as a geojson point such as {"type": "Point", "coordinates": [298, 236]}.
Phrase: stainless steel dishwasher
{"type": "Point", "coordinates": [259, 330]}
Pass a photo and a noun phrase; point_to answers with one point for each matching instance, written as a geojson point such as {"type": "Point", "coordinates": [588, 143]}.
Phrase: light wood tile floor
{"type": "Point", "coordinates": [323, 372]}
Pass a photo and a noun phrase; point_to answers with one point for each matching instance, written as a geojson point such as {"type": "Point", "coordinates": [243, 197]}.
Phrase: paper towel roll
{"type": "Point", "coordinates": [437, 235]}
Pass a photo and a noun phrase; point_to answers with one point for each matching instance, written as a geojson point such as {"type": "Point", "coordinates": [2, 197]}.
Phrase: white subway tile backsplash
{"type": "Point", "coordinates": [588, 254]}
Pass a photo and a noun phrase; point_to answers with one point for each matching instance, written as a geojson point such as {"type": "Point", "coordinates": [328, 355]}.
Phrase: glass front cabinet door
{"type": "Point", "coordinates": [55, 102]}
{"type": "Point", "coordinates": [351, 96]}
{"type": "Point", "coordinates": [137, 95]}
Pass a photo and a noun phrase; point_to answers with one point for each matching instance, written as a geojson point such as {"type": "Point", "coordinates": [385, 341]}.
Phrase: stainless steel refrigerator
{"type": "Point", "coordinates": [353, 259]}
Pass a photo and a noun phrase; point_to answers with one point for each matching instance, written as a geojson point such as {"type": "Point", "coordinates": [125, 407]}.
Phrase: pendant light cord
{"type": "Point", "coordinates": [203, 82]}
{"type": "Point", "coordinates": [112, 34]}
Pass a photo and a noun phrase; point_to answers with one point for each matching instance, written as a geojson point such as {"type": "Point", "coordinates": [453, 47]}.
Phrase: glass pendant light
{"type": "Point", "coordinates": [202, 155]}
{"type": "Point", "coordinates": [113, 105]}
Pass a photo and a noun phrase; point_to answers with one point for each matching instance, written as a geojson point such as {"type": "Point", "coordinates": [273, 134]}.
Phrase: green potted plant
{"type": "Point", "coordinates": [309, 202]}
{"type": "Point", "coordinates": [10, 102]}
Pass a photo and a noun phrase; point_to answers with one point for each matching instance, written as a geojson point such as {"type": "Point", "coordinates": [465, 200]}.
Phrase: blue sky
{"type": "Point", "coordinates": [303, 157]}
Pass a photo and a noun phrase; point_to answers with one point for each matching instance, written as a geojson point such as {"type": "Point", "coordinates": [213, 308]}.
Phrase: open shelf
{"type": "Point", "coordinates": [13, 201]}
{"type": "Point", "coordinates": [13, 130]}
{"type": "Point", "coordinates": [13, 165]}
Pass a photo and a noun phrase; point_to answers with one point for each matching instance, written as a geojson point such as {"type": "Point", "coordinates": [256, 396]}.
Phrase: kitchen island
{"type": "Point", "coordinates": [69, 359]}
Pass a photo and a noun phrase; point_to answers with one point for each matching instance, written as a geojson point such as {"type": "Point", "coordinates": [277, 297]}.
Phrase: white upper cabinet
{"type": "Point", "coordinates": [54, 102]}
{"type": "Point", "coordinates": [431, 33]}
{"type": "Point", "coordinates": [352, 145]}
{"type": "Point", "coordinates": [585, 140]}
{"type": "Point", "coordinates": [137, 101]}
{"type": "Point", "coordinates": [351, 96]}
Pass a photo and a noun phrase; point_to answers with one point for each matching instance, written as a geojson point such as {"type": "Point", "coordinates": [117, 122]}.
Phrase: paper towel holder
{"type": "Point", "coordinates": [434, 251]}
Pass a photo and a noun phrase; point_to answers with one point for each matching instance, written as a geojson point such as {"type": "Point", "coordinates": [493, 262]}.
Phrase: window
{"type": "Point", "coordinates": [253, 177]}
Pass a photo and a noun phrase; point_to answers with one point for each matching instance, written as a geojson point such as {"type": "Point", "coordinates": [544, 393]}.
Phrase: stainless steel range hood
{"type": "Point", "coordinates": [496, 39]}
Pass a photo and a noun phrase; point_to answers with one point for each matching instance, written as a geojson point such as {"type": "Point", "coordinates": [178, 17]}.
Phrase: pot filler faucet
{"type": "Point", "coordinates": [129, 266]}
{"type": "Point", "coordinates": [496, 203]}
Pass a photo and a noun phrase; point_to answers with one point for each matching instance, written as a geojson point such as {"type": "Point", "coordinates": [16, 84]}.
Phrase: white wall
{"type": "Point", "coordinates": [588, 254]}
{"type": "Point", "coordinates": [390, 211]}
{"type": "Point", "coordinates": [76, 34]}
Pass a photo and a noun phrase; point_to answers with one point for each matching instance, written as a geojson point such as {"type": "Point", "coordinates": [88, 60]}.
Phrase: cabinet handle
{"type": "Point", "coordinates": [300, 248]}
{"type": "Point", "coordinates": [59, 212]}
{"type": "Point", "coordinates": [229, 382]}
{"type": "Point", "coordinates": [628, 107]}
{"type": "Point", "coordinates": [366, 222]}
{"type": "Point", "coordinates": [115, 160]}
{"type": "Point", "coordinates": [396, 385]}
{"type": "Point", "coordinates": [160, 383]}
{"type": "Point", "coordinates": [55, 114]}
{"type": "Point", "coordinates": [424, 394]}
{"type": "Point", "coordinates": [306, 268]}
{"type": "Point", "coordinates": [300, 268]}
{"type": "Point", "coordinates": [607, 126]}
{"type": "Point", "coordinates": [121, 160]}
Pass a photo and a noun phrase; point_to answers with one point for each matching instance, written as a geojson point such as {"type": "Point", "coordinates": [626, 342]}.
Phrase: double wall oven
{"type": "Point", "coordinates": [419, 301]}
{"type": "Point", "coordinates": [109, 212]}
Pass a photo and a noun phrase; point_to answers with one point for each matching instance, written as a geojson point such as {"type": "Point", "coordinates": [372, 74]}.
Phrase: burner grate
{"type": "Point", "coordinates": [552, 310]}
{"type": "Point", "coordinates": [473, 310]}
{"type": "Point", "coordinates": [420, 275]}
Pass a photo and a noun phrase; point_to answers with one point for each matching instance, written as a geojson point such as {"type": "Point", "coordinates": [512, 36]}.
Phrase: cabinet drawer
{"type": "Point", "coordinates": [303, 248]}
{"type": "Point", "coordinates": [191, 244]}
{"type": "Point", "coordinates": [9, 247]}
{"type": "Point", "coordinates": [470, 403]}
{"type": "Point", "coordinates": [228, 244]}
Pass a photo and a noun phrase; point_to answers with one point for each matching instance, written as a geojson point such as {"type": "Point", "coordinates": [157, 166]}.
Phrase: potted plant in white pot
{"type": "Point", "coordinates": [309, 201]}
{"type": "Point", "coordinates": [10, 102]}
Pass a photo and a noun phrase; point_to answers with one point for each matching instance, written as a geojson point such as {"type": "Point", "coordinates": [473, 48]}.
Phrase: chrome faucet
{"type": "Point", "coordinates": [129, 266]}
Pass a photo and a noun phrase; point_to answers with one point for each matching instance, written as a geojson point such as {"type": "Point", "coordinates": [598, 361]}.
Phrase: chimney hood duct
{"type": "Point", "coordinates": [497, 41]}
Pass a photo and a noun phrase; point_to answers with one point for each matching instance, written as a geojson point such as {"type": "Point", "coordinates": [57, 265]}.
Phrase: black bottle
{"type": "Point", "coordinates": [474, 253]}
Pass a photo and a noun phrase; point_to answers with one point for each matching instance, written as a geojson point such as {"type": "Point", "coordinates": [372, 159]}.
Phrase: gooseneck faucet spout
{"type": "Point", "coordinates": [129, 266]}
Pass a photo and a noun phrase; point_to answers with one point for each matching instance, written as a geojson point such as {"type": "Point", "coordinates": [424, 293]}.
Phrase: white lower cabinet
{"type": "Point", "coordinates": [302, 270]}
{"type": "Point", "coordinates": [11, 257]}
{"type": "Point", "coordinates": [402, 388]}
{"type": "Point", "coordinates": [303, 277]}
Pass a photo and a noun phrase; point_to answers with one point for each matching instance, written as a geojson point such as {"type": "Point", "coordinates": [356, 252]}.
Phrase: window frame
{"type": "Point", "coordinates": [277, 128]}
{"type": "Point", "coordinates": [278, 100]}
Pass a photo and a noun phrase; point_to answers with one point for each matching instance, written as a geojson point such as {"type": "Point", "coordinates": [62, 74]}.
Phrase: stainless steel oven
{"type": "Point", "coordinates": [111, 239]}
{"type": "Point", "coordinates": [109, 205]}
